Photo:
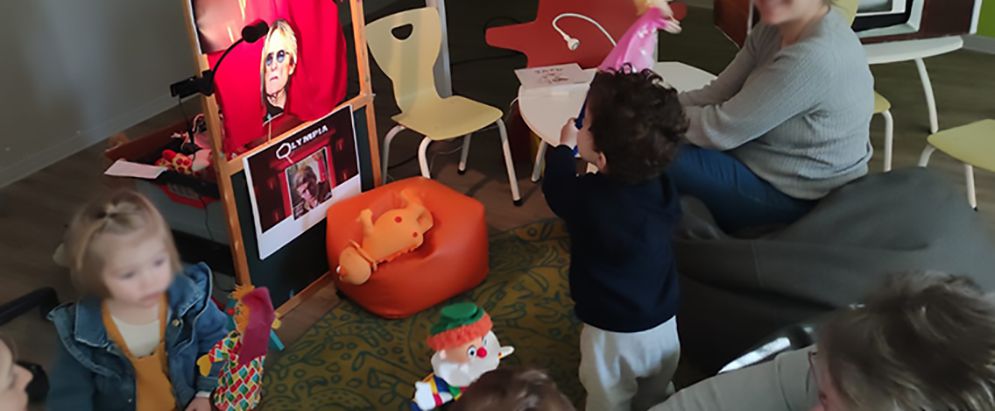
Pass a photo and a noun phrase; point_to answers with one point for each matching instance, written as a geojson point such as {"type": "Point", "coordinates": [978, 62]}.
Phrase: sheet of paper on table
{"type": "Point", "coordinates": [125, 168]}
{"type": "Point", "coordinates": [560, 78]}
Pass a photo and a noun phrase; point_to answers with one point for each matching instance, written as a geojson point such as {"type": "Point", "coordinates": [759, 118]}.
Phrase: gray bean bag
{"type": "Point", "coordinates": [735, 291]}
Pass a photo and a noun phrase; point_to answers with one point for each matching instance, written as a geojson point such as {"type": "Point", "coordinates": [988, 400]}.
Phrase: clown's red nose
{"type": "Point", "coordinates": [481, 352]}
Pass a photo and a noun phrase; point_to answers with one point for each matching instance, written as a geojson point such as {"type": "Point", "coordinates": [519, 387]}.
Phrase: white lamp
{"type": "Point", "coordinates": [572, 42]}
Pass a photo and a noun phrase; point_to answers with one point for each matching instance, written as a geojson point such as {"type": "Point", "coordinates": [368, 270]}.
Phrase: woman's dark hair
{"type": "Point", "coordinates": [636, 121]}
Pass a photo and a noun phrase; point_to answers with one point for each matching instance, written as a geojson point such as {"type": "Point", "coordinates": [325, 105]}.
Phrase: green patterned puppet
{"type": "Point", "coordinates": [243, 351]}
{"type": "Point", "coordinates": [465, 348]}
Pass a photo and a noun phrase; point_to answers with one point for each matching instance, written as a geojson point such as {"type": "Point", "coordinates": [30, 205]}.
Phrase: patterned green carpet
{"type": "Point", "coordinates": [353, 360]}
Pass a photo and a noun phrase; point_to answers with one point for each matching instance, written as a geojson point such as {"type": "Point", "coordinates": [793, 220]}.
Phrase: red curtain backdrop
{"type": "Point", "coordinates": [317, 85]}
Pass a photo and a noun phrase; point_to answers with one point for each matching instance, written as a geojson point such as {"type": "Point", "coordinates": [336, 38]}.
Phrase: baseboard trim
{"type": "Point", "coordinates": [10, 173]}
{"type": "Point", "coordinates": [982, 44]}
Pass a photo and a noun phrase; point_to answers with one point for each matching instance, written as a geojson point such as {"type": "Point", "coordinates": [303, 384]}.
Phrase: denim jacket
{"type": "Point", "coordinates": [92, 373]}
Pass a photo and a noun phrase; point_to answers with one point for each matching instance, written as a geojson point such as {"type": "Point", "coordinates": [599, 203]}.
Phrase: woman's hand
{"type": "Point", "coordinates": [664, 7]}
{"type": "Point", "coordinates": [673, 26]}
{"type": "Point", "coordinates": [199, 404]}
{"type": "Point", "coordinates": [568, 134]}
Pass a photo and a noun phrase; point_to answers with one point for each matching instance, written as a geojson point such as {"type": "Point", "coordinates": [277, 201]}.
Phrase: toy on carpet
{"type": "Point", "coordinates": [395, 233]}
{"type": "Point", "coordinates": [242, 352]}
{"type": "Point", "coordinates": [465, 348]}
{"type": "Point", "coordinates": [229, 307]}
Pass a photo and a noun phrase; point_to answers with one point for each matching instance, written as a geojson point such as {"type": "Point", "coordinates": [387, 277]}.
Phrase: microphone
{"type": "Point", "coordinates": [572, 42]}
{"type": "Point", "coordinates": [205, 83]}
{"type": "Point", "coordinates": [255, 31]}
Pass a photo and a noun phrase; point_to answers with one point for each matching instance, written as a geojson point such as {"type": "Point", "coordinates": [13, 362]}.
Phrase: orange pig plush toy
{"type": "Point", "coordinates": [394, 233]}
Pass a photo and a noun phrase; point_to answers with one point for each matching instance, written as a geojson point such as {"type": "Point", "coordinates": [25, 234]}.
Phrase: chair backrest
{"type": "Point", "coordinates": [543, 46]}
{"type": "Point", "coordinates": [409, 62]}
{"type": "Point", "coordinates": [848, 7]}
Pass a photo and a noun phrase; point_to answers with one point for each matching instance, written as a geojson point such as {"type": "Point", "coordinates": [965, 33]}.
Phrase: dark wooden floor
{"type": "Point", "coordinates": [33, 211]}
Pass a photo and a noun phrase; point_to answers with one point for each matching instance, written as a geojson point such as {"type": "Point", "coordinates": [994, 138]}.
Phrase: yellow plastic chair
{"type": "Point", "coordinates": [409, 63]}
{"type": "Point", "coordinates": [972, 144]}
{"type": "Point", "coordinates": [883, 107]}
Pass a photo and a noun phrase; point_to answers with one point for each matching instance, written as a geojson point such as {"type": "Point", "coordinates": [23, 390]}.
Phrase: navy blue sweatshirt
{"type": "Point", "coordinates": [623, 275]}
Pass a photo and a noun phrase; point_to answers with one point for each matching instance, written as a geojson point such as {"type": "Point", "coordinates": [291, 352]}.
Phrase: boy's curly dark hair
{"type": "Point", "coordinates": [513, 389]}
{"type": "Point", "coordinates": [636, 121]}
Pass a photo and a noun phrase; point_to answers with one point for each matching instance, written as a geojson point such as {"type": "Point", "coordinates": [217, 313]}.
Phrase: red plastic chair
{"type": "Point", "coordinates": [544, 46]}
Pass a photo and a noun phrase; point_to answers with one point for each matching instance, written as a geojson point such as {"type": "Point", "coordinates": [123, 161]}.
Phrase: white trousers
{"type": "Point", "coordinates": [628, 371]}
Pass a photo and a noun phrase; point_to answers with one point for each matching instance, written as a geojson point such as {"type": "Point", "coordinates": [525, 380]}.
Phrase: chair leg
{"type": "Point", "coordinates": [926, 153]}
{"type": "Point", "coordinates": [540, 159]}
{"type": "Point", "coordinates": [972, 198]}
{"type": "Point", "coordinates": [464, 154]}
{"type": "Point", "coordinates": [423, 157]}
{"type": "Point", "coordinates": [509, 163]}
{"type": "Point", "coordinates": [385, 159]}
{"type": "Point", "coordinates": [927, 89]}
{"type": "Point", "coordinates": [889, 134]}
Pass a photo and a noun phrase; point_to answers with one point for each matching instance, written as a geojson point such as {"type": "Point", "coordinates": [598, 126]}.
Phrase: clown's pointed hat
{"type": "Point", "coordinates": [459, 324]}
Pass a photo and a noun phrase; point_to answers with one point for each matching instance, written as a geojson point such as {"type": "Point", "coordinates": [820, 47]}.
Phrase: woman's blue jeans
{"type": "Point", "coordinates": [736, 197]}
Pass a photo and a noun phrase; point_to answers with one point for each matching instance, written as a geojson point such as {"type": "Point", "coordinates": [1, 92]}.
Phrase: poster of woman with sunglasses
{"type": "Point", "coordinates": [293, 75]}
{"type": "Point", "coordinates": [279, 60]}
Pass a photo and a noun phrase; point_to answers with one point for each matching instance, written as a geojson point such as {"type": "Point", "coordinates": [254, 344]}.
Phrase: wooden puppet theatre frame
{"type": "Point", "coordinates": [298, 269]}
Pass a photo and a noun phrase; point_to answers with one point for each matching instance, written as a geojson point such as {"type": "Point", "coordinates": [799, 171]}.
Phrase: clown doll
{"type": "Point", "coordinates": [465, 348]}
{"type": "Point", "coordinates": [243, 351]}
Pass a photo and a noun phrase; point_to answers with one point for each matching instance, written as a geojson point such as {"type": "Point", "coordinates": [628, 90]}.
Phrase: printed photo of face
{"type": "Point", "coordinates": [277, 65]}
{"type": "Point", "coordinates": [307, 188]}
{"type": "Point", "coordinates": [310, 186]}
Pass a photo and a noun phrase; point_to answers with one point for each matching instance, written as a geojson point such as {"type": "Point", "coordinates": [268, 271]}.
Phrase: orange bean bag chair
{"type": "Point", "coordinates": [452, 259]}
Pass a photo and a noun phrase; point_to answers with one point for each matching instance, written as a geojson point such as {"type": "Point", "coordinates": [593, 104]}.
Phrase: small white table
{"type": "Point", "coordinates": [545, 111]}
{"type": "Point", "coordinates": [905, 50]}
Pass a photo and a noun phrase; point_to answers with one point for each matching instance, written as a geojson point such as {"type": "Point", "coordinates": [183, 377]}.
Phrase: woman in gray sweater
{"type": "Point", "coordinates": [784, 124]}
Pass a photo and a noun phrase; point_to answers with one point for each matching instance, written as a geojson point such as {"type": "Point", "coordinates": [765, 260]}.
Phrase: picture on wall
{"type": "Point", "coordinates": [310, 182]}
{"type": "Point", "coordinates": [294, 74]}
{"type": "Point", "coordinates": [294, 181]}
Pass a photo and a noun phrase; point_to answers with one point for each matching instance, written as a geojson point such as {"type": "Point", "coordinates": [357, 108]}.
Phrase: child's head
{"type": "Point", "coordinates": [119, 247]}
{"type": "Point", "coordinates": [633, 125]}
{"type": "Point", "coordinates": [513, 389]}
{"type": "Point", "coordinates": [306, 184]}
{"type": "Point", "coordinates": [14, 380]}
{"type": "Point", "coordinates": [922, 342]}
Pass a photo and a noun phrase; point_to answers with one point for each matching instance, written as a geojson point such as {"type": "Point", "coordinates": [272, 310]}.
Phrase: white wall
{"type": "Point", "coordinates": [74, 72]}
